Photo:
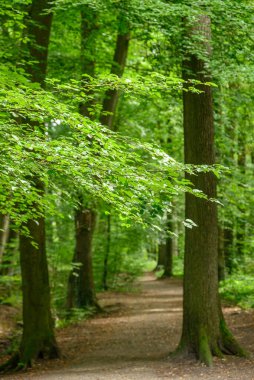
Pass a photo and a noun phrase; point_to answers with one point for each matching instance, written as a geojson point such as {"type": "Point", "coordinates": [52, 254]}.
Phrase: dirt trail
{"type": "Point", "coordinates": [134, 339]}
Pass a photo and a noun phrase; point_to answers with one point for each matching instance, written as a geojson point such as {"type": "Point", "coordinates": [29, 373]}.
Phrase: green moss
{"type": "Point", "coordinates": [204, 352]}
{"type": "Point", "coordinates": [230, 345]}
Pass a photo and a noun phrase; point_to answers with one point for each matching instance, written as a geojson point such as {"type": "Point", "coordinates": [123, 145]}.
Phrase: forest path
{"type": "Point", "coordinates": [133, 340]}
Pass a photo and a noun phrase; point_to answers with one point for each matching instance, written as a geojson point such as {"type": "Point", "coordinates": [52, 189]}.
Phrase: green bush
{"type": "Point", "coordinates": [239, 289]}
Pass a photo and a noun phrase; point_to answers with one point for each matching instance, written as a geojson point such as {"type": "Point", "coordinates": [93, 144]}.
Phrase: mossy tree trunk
{"type": "Point", "coordinates": [38, 340]}
{"type": "Point", "coordinates": [204, 330]}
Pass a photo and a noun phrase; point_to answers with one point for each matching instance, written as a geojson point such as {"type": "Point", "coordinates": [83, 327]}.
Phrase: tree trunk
{"type": "Point", "coordinates": [168, 250]}
{"type": "Point", "coordinates": [4, 234]}
{"type": "Point", "coordinates": [204, 330]}
{"type": "Point", "coordinates": [228, 249]}
{"type": "Point", "coordinates": [81, 292]}
{"type": "Point", "coordinates": [38, 340]}
{"type": "Point", "coordinates": [11, 249]}
{"type": "Point", "coordinates": [85, 224]}
{"type": "Point", "coordinates": [111, 96]}
{"type": "Point", "coordinates": [221, 257]}
{"type": "Point", "coordinates": [107, 253]}
{"type": "Point", "coordinates": [241, 221]}
{"type": "Point", "coordinates": [161, 257]}
{"type": "Point", "coordinates": [108, 116]}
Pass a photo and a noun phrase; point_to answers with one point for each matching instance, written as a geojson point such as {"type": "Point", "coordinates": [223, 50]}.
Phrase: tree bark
{"type": "Point", "coordinates": [111, 96]}
{"type": "Point", "coordinates": [81, 292]}
{"type": "Point", "coordinates": [228, 249]}
{"type": "Point", "coordinates": [240, 220]}
{"type": "Point", "coordinates": [4, 234]}
{"type": "Point", "coordinates": [38, 340]}
{"type": "Point", "coordinates": [204, 330]}
{"type": "Point", "coordinates": [11, 248]}
{"type": "Point", "coordinates": [108, 116]}
{"type": "Point", "coordinates": [107, 253]}
{"type": "Point", "coordinates": [221, 257]}
{"type": "Point", "coordinates": [167, 250]}
{"type": "Point", "coordinates": [161, 257]}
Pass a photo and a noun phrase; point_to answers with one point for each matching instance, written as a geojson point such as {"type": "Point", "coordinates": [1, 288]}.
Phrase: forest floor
{"type": "Point", "coordinates": [133, 338]}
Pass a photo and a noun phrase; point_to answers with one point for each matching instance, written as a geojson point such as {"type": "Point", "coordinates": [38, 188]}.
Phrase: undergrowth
{"type": "Point", "coordinates": [238, 289]}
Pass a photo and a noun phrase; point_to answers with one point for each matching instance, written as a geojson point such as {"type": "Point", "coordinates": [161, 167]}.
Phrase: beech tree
{"type": "Point", "coordinates": [38, 338]}
{"type": "Point", "coordinates": [205, 332]}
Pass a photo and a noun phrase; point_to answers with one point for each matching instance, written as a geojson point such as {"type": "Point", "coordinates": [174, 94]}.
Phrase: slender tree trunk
{"type": "Point", "coordinates": [78, 290]}
{"type": "Point", "coordinates": [38, 340]}
{"type": "Point", "coordinates": [107, 253]}
{"type": "Point", "coordinates": [240, 221]}
{"type": "Point", "coordinates": [221, 257]}
{"type": "Point", "coordinates": [4, 234]}
{"type": "Point", "coordinates": [108, 115]}
{"type": "Point", "coordinates": [81, 292]}
{"type": "Point", "coordinates": [204, 330]}
{"type": "Point", "coordinates": [111, 96]}
{"type": "Point", "coordinates": [161, 257]}
{"type": "Point", "coordinates": [9, 252]}
{"type": "Point", "coordinates": [168, 250]}
{"type": "Point", "coordinates": [228, 249]}
{"type": "Point", "coordinates": [85, 224]}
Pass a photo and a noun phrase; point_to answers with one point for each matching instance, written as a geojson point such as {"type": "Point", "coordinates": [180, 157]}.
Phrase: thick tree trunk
{"type": "Point", "coordinates": [204, 330]}
{"type": "Point", "coordinates": [38, 338]}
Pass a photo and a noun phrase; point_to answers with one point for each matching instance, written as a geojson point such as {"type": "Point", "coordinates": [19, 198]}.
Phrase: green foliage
{"type": "Point", "coordinates": [239, 289]}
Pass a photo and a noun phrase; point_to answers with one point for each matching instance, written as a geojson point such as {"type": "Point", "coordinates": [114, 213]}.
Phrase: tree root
{"type": "Point", "coordinates": [14, 364]}
{"type": "Point", "coordinates": [228, 344]}
{"type": "Point", "coordinates": [21, 361]}
{"type": "Point", "coordinates": [205, 348]}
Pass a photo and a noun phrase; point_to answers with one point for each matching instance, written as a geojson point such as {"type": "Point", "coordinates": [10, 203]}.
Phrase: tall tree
{"type": "Point", "coordinates": [38, 338]}
{"type": "Point", "coordinates": [81, 292]}
{"type": "Point", "coordinates": [109, 108]}
{"type": "Point", "coordinates": [204, 329]}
